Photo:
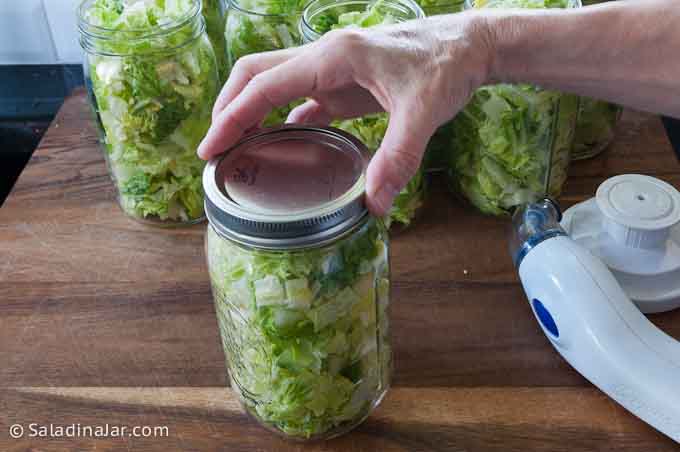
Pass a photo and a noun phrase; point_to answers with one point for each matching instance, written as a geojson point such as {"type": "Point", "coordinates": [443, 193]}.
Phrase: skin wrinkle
{"type": "Point", "coordinates": [423, 72]}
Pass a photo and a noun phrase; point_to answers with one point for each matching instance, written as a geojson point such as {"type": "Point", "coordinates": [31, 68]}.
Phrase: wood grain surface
{"type": "Point", "coordinates": [104, 320]}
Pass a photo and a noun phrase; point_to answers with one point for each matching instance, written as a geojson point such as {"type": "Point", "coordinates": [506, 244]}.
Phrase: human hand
{"type": "Point", "coordinates": [421, 72]}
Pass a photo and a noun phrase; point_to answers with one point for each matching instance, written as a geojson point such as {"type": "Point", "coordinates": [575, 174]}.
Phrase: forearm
{"type": "Point", "coordinates": [627, 52]}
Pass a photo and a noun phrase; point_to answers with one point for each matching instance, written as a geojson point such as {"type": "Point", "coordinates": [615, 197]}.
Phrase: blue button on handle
{"type": "Point", "coordinates": [545, 318]}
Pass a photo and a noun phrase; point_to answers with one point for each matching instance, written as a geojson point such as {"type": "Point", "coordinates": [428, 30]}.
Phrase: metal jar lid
{"type": "Point", "coordinates": [287, 187]}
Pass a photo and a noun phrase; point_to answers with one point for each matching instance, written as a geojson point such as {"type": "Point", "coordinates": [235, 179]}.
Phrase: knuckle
{"type": "Point", "coordinates": [345, 39]}
{"type": "Point", "coordinates": [244, 64]}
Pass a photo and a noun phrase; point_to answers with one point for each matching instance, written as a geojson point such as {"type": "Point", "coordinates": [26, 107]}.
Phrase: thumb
{"type": "Point", "coordinates": [398, 158]}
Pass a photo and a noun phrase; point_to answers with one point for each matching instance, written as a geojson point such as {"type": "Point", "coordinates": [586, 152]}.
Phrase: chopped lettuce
{"type": "Point", "coordinates": [436, 7]}
{"type": "Point", "coordinates": [512, 143]}
{"type": "Point", "coordinates": [526, 4]}
{"type": "Point", "coordinates": [596, 127]}
{"type": "Point", "coordinates": [345, 17]}
{"type": "Point", "coordinates": [214, 13]}
{"type": "Point", "coordinates": [153, 101]}
{"type": "Point", "coordinates": [305, 332]}
{"type": "Point", "coordinates": [255, 26]}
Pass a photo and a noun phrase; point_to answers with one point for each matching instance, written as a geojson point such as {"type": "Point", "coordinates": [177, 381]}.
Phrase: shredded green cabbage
{"type": "Point", "coordinates": [596, 127]}
{"type": "Point", "coordinates": [154, 104]}
{"type": "Point", "coordinates": [305, 332]}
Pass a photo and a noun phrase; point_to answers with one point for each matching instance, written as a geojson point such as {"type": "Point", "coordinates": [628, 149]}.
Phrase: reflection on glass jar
{"type": "Point", "coordinates": [512, 143]}
{"type": "Point", "coordinates": [152, 80]}
{"type": "Point", "coordinates": [300, 278]}
{"type": "Point", "coordinates": [321, 16]}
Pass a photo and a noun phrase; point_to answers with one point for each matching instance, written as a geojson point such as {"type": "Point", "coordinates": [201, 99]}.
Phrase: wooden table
{"type": "Point", "coordinates": [106, 321]}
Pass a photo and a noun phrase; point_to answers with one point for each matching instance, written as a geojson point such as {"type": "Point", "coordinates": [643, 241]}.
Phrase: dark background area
{"type": "Point", "coordinates": [30, 97]}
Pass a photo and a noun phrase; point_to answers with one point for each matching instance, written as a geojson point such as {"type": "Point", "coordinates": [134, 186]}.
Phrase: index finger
{"type": "Point", "coordinates": [293, 79]}
{"type": "Point", "coordinates": [245, 69]}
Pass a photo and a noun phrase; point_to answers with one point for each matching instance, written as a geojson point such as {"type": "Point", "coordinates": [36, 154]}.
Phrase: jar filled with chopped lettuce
{"type": "Point", "coordinates": [300, 278]}
{"type": "Point", "coordinates": [512, 143]}
{"type": "Point", "coordinates": [322, 16]}
{"type": "Point", "coordinates": [215, 15]}
{"type": "Point", "coordinates": [152, 79]}
{"type": "Point", "coordinates": [255, 26]}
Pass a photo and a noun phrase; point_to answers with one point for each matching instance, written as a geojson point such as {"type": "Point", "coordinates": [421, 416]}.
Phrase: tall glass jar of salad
{"type": "Point", "coordinates": [300, 278]}
{"type": "Point", "coordinates": [255, 26]}
{"type": "Point", "coordinates": [215, 15]}
{"type": "Point", "coordinates": [321, 16]}
{"type": "Point", "coordinates": [152, 79]}
{"type": "Point", "coordinates": [512, 143]}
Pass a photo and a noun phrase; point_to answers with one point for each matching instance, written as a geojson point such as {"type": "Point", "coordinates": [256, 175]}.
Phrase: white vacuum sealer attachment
{"type": "Point", "coordinates": [591, 321]}
{"type": "Point", "coordinates": [633, 226]}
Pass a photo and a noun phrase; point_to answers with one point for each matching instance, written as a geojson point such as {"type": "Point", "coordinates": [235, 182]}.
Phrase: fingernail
{"type": "Point", "coordinates": [200, 150]}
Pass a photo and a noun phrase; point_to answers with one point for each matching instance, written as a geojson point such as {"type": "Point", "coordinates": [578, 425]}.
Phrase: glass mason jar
{"type": "Point", "coordinates": [300, 279]}
{"type": "Point", "coordinates": [321, 16]}
{"type": "Point", "coordinates": [512, 143]}
{"type": "Point", "coordinates": [255, 26]}
{"type": "Point", "coordinates": [215, 15]}
{"type": "Point", "coordinates": [152, 81]}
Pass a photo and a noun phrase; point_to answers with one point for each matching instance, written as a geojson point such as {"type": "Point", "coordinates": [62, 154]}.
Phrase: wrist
{"type": "Point", "coordinates": [503, 32]}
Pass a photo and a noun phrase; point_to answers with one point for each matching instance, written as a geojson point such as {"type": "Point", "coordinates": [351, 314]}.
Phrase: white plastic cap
{"type": "Point", "coordinates": [639, 211]}
{"type": "Point", "coordinates": [633, 226]}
